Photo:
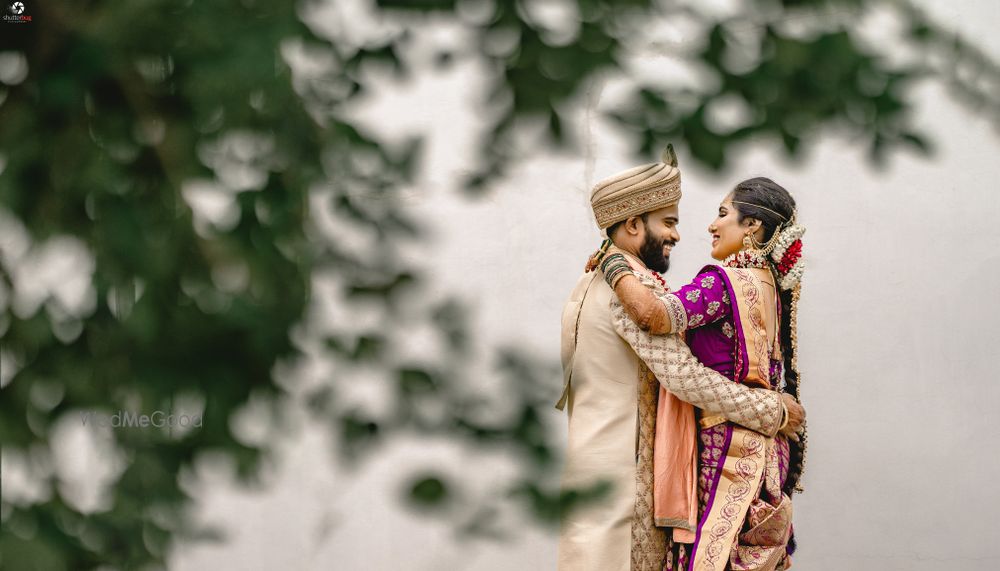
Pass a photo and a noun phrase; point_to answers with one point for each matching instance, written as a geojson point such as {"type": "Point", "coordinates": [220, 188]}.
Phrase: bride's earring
{"type": "Point", "coordinates": [751, 255]}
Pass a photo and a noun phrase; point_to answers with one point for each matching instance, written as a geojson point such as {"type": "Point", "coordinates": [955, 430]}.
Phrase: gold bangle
{"type": "Point", "coordinates": [784, 415]}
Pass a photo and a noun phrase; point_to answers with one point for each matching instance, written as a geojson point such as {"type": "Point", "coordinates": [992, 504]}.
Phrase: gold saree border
{"type": "Point", "coordinates": [754, 323]}
{"type": "Point", "coordinates": [739, 483]}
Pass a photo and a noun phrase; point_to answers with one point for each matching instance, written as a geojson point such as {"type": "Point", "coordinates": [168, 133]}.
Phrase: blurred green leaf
{"type": "Point", "coordinates": [428, 492]}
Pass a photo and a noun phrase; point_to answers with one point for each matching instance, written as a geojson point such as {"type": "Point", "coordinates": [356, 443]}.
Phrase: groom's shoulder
{"type": "Point", "coordinates": [585, 278]}
{"type": "Point", "coordinates": [588, 284]}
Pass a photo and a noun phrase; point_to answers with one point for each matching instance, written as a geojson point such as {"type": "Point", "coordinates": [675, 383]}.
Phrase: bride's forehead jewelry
{"type": "Point", "coordinates": [783, 217]}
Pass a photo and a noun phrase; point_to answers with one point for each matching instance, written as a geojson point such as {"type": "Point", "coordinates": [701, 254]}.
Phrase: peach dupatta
{"type": "Point", "coordinates": [675, 449]}
{"type": "Point", "coordinates": [675, 467]}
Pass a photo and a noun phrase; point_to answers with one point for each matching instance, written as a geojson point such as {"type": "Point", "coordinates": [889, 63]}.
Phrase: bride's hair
{"type": "Point", "coordinates": [765, 200]}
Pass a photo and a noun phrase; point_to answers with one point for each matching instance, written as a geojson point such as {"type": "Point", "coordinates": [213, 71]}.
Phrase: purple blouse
{"type": "Point", "coordinates": [710, 325]}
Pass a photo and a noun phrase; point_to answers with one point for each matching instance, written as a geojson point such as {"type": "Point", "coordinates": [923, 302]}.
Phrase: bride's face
{"type": "Point", "coordinates": [727, 231]}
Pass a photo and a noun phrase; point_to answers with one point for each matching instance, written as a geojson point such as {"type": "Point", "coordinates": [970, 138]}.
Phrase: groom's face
{"type": "Point", "coordinates": [661, 236]}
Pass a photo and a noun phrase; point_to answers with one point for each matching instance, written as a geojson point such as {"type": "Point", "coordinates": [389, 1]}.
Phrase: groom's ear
{"type": "Point", "coordinates": [633, 225]}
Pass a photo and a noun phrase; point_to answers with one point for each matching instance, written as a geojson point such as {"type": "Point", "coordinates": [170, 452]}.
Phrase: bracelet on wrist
{"type": "Point", "coordinates": [784, 416]}
{"type": "Point", "coordinates": [615, 267]}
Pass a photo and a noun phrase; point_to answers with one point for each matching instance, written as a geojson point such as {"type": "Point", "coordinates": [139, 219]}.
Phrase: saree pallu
{"type": "Point", "coordinates": [745, 520]}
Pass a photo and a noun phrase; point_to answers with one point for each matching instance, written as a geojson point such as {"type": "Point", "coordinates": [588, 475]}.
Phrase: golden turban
{"type": "Point", "coordinates": [637, 191]}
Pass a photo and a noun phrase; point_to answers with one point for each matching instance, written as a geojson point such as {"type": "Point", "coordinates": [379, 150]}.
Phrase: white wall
{"type": "Point", "coordinates": [898, 322]}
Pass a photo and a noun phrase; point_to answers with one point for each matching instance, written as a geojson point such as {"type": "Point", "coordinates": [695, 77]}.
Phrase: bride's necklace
{"type": "Point", "coordinates": [747, 258]}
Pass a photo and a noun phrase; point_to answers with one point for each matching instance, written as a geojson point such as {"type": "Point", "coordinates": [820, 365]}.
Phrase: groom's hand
{"type": "Point", "coordinates": [796, 416]}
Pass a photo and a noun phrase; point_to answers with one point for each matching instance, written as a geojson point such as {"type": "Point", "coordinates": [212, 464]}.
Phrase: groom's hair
{"type": "Point", "coordinates": [610, 232]}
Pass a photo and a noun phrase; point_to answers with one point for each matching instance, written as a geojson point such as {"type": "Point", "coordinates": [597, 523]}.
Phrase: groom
{"type": "Point", "coordinates": [611, 396]}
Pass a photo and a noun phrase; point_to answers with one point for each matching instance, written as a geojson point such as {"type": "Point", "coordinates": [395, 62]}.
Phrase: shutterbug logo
{"type": "Point", "coordinates": [15, 14]}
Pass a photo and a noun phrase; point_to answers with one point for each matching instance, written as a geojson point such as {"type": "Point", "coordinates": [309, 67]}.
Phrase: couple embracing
{"type": "Point", "coordinates": [684, 400]}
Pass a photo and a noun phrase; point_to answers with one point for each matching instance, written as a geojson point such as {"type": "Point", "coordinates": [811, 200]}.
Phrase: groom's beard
{"type": "Point", "coordinates": [651, 253]}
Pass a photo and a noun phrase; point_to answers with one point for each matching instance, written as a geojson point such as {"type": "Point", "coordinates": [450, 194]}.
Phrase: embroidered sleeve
{"type": "Point", "coordinates": [682, 374]}
{"type": "Point", "coordinates": [704, 301]}
{"type": "Point", "coordinates": [676, 313]}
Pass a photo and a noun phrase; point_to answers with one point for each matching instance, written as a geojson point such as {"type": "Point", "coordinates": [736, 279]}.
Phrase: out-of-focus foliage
{"type": "Point", "coordinates": [169, 154]}
{"type": "Point", "coordinates": [790, 69]}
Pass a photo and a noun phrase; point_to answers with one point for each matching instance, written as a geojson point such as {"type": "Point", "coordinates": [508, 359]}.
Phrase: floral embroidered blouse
{"type": "Point", "coordinates": [702, 308]}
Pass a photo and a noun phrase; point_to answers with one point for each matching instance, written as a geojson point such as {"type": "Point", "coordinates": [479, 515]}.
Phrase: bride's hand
{"type": "Point", "coordinates": [796, 417]}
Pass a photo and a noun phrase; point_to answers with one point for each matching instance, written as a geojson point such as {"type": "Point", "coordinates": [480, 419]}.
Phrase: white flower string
{"type": "Point", "coordinates": [790, 235]}
{"type": "Point", "coordinates": [787, 237]}
{"type": "Point", "coordinates": [794, 276]}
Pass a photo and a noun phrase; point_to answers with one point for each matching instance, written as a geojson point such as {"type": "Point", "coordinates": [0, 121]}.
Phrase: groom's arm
{"type": "Point", "coordinates": [678, 371]}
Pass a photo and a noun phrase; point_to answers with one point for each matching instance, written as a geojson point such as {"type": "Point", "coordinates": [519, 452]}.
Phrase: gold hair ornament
{"type": "Point", "coordinates": [782, 216]}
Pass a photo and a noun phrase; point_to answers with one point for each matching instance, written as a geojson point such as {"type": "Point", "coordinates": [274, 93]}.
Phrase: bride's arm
{"type": "Point", "coordinates": [640, 302]}
{"type": "Point", "coordinates": [647, 310]}
{"type": "Point", "coordinates": [698, 303]}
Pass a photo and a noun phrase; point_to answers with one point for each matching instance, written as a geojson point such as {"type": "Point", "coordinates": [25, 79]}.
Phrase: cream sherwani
{"type": "Point", "coordinates": [603, 377]}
